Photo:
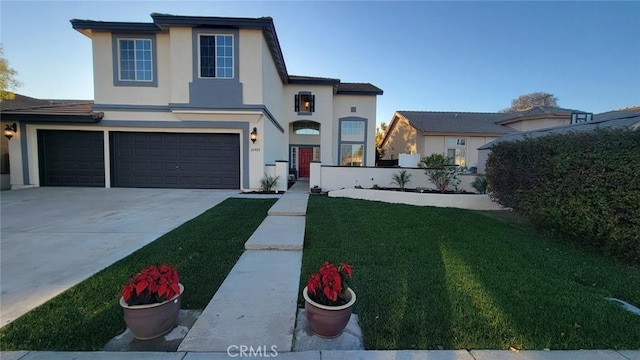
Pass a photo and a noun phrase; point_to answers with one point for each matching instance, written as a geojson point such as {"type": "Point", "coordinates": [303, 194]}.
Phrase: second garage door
{"type": "Point", "coordinates": [175, 160]}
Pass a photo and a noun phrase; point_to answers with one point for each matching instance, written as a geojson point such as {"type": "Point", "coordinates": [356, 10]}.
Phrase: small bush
{"type": "Point", "coordinates": [583, 186]}
{"type": "Point", "coordinates": [401, 178]}
{"type": "Point", "coordinates": [440, 171]}
{"type": "Point", "coordinates": [480, 184]}
{"type": "Point", "coordinates": [268, 182]}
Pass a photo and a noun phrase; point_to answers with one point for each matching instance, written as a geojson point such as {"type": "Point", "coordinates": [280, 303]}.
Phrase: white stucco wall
{"type": "Point", "coordinates": [275, 141]}
{"type": "Point", "coordinates": [338, 177]}
{"type": "Point", "coordinates": [107, 93]}
{"type": "Point", "coordinates": [436, 144]}
{"type": "Point", "coordinates": [460, 201]}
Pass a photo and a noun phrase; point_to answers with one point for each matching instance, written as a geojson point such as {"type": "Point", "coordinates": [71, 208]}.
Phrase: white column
{"type": "Point", "coordinates": [282, 171]}
{"type": "Point", "coordinates": [315, 174]}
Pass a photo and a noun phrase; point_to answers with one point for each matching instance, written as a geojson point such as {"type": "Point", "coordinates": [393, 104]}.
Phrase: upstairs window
{"type": "Point", "coordinates": [136, 62]}
{"type": "Point", "coordinates": [216, 56]}
{"type": "Point", "coordinates": [304, 103]}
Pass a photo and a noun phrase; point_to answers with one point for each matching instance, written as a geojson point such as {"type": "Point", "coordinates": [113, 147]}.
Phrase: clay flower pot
{"type": "Point", "coordinates": [153, 320]}
{"type": "Point", "coordinates": [328, 321]}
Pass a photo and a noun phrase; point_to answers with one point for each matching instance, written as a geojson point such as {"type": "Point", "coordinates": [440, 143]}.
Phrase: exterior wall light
{"type": "Point", "coordinates": [10, 130]}
{"type": "Point", "coordinates": [253, 136]}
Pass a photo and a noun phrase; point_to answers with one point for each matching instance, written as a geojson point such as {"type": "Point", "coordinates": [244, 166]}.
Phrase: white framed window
{"type": "Point", "coordinates": [316, 154]}
{"type": "Point", "coordinates": [352, 130]}
{"type": "Point", "coordinates": [135, 59]}
{"type": "Point", "coordinates": [215, 56]}
{"type": "Point", "coordinates": [458, 156]}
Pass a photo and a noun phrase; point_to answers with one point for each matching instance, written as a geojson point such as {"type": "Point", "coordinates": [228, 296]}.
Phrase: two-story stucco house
{"type": "Point", "coordinates": [195, 102]}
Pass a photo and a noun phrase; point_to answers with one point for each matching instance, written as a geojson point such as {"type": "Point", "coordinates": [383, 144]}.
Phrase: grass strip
{"type": "Point", "coordinates": [443, 278]}
{"type": "Point", "coordinates": [88, 315]}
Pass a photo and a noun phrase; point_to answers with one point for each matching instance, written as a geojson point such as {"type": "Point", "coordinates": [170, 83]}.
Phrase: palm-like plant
{"type": "Point", "coordinates": [268, 182]}
{"type": "Point", "coordinates": [401, 178]}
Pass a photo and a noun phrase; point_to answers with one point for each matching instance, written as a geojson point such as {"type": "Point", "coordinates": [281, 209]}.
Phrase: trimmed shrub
{"type": "Point", "coordinates": [583, 186]}
{"type": "Point", "coordinates": [440, 171]}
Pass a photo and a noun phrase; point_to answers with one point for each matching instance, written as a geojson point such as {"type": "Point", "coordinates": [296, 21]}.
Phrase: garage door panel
{"type": "Point", "coordinates": [175, 160]}
{"type": "Point", "coordinates": [71, 158]}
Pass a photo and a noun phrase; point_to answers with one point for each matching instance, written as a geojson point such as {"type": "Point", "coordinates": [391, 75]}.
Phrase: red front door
{"type": "Point", "coordinates": [306, 154]}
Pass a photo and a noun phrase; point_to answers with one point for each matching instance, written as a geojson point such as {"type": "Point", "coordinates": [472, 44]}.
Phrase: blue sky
{"type": "Point", "coordinates": [436, 56]}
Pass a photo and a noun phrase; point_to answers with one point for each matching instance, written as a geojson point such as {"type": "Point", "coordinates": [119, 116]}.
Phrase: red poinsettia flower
{"type": "Point", "coordinates": [331, 280]}
{"type": "Point", "coordinates": [152, 285]}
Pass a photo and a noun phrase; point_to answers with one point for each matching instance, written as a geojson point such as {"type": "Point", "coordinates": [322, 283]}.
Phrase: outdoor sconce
{"type": "Point", "coordinates": [253, 136]}
{"type": "Point", "coordinates": [10, 130]}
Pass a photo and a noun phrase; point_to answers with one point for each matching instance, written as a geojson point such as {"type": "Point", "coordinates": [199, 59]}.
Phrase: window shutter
{"type": "Point", "coordinates": [313, 103]}
{"type": "Point", "coordinates": [296, 104]}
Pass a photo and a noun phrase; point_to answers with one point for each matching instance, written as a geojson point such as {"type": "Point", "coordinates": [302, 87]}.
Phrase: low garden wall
{"type": "Point", "coordinates": [345, 177]}
{"type": "Point", "coordinates": [461, 201]}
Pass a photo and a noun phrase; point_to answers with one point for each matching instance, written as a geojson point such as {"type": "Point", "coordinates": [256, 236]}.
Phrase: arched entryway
{"type": "Point", "coordinates": [304, 146]}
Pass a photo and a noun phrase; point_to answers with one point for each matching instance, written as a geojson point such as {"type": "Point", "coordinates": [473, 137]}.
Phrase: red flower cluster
{"type": "Point", "coordinates": [329, 284]}
{"type": "Point", "coordinates": [152, 285]}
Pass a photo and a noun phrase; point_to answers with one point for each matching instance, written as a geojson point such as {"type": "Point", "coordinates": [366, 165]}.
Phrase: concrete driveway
{"type": "Point", "coordinates": [52, 238]}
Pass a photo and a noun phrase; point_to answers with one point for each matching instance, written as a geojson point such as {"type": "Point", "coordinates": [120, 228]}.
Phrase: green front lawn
{"type": "Point", "coordinates": [88, 315]}
{"type": "Point", "coordinates": [430, 278]}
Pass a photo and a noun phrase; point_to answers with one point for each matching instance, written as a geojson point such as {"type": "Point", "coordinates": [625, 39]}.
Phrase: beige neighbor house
{"type": "Point", "coordinates": [617, 119]}
{"type": "Point", "coordinates": [458, 135]}
{"type": "Point", "coordinates": [194, 102]}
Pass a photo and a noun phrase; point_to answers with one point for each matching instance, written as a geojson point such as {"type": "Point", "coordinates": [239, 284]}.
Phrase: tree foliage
{"type": "Point", "coordinates": [440, 171]}
{"type": "Point", "coordinates": [380, 131]}
{"type": "Point", "coordinates": [8, 81]}
{"type": "Point", "coordinates": [527, 101]}
{"type": "Point", "coordinates": [582, 186]}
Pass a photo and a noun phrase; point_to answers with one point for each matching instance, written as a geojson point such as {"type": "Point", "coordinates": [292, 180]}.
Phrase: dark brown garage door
{"type": "Point", "coordinates": [175, 160]}
{"type": "Point", "coordinates": [71, 158]}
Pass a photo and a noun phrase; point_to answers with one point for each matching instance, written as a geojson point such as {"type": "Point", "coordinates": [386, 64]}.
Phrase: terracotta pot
{"type": "Point", "coordinates": [328, 321]}
{"type": "Point", "coordinates": [153, 320]}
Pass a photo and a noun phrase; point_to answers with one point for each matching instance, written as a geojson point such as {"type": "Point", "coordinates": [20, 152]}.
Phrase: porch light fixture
{"type": "Point", "coordinates": [254, 135]}
{"type": "Point", "coordinates": [10, 130]}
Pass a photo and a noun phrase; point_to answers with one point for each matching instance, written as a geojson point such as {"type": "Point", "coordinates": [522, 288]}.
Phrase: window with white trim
{"type": "Point", "coordinates": [457, 151]}
{"type": "Point", "coordinates": [352, 155]}
{"type": "Point", "coordinates": [216, 56]}
{"type": "Point", "coordinates": [135, 60]}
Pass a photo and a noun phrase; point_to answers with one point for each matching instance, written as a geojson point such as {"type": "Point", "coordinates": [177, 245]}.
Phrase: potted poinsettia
{"type": "Point", "coordinates": [151, 301]}
{"type": "Point", "coordinates": [329, 300]}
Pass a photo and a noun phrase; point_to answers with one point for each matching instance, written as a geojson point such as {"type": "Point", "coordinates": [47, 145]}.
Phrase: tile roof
{"type": "Point", "coordinates": [611, 119]}
{"type": "Point", "coordinates": [25, 108]}
{"type": "Point", "coordinates": [538, 110]}
{"type": "Point", "coordinates": [463, 122]}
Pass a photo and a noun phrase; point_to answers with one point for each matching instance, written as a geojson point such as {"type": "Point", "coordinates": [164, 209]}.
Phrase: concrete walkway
{"type": "Point", "coordinates": [256, 304]}
{"type": "Point", "coordinates": [234, 353]}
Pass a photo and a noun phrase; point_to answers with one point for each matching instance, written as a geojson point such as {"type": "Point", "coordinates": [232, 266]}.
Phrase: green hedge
{"type": "Point", "coordinates": [583, 186]}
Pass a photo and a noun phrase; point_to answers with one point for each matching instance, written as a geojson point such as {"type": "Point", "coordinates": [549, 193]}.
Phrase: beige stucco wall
{"type": "Point", "coordinates": [250, 63]}
{"type": "Point", "coordinates": [323, 114]}
{"type": "Point", "coordinates": [535, 124]}
{"type": "Point", "coordinates": [107, 93]}
{"type": "Point", "coordinates": [401, 139]}
{"type": "Point", "coordinates": [436, 144]}
{"type": "Point", "coordinates": [271, 91]}
{"type": "Point", "coordinates": [181, 60]}
{"type": "Point", "coordinates": [365, 108]}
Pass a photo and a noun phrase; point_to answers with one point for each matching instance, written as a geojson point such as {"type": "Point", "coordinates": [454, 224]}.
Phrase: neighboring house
{"type": "Point", "coordinates": [195, 102]}
{"type": "Point", "coordinates": [458, 135]}
{"type": "Point", "coordinates": [629, 119]}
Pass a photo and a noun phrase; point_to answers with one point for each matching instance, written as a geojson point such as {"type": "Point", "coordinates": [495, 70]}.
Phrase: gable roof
{"type": "Point", "coordinates": [456, 122]}
{"type": "Point", "coordinates": [161, 22]}
{"type": "Point", "coordinates": [22, 102]}
{"type": "Point", "coordinates": [538, 111]}
{"type": "Point", "coordinates": [612, 119]}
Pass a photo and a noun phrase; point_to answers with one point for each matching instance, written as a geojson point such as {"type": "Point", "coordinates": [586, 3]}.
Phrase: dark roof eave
{"type": "Point", "coordinates": [360, 92]}
{"type": "Point", "coordinates": [53, 118]}
{"type": "Point", "coordinates": [314, 81]}
{"type": "Point", "coordinates": [113, 26]}
{"type": "Point", "coordinates": [183, 20]}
